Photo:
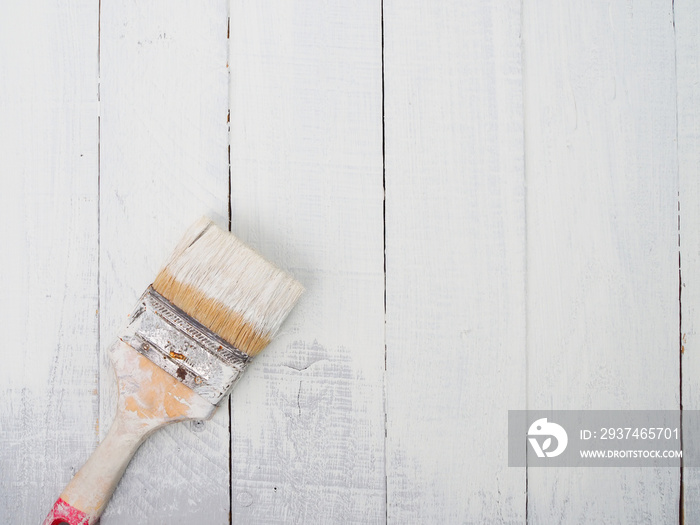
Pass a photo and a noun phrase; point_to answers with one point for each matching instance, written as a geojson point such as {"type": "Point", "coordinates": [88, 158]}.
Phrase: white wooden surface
{"type": "Point", "coordinates": [602, 227]}
{"type": "Point", "coordinates": [307, 424]}
{"type": "Point", "coordinates": [687, 21]}
{"type": "Point", "coordinates": [523, 164]}
{"type": "Point", "coordinates": [455, 252]}
{"type": "Point", "coordinates": [163, 164]}
{"type": "Point", "coordinates": [49, 251]}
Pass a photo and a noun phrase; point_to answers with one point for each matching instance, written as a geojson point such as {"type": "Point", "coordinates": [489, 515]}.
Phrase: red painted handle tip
{"type": "Point", "coordinates": [65, 513]}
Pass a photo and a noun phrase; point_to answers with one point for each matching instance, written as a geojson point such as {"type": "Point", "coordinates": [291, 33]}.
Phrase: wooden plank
{"type": "Point", "coordinates": [164, 140]}
{"type": "Point", "coordinates": [599, 90]}
{"type": "Point", "coordinates": [306, 161]}
{"type": "Point", "coordinates": [455, 260]}
{"type": "Point", "coordinates": [687, 23]}
{"type": "Point", "coordinates": [48, 208]}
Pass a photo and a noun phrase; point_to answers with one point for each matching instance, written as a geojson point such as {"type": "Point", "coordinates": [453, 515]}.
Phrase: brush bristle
{"type": "Point", "coordinates": [228, 287]}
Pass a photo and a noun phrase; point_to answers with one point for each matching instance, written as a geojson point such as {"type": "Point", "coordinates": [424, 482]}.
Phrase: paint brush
{"type": "Point", "coordinates": [213, 307]}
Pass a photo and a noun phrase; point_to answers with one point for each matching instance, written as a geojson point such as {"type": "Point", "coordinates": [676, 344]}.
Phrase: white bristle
{"type": "Point", "coordinates": [217, 264]}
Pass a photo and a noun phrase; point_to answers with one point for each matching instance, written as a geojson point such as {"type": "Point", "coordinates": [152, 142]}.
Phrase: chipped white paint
{"type": "Point", "coordinates": [601, 275]}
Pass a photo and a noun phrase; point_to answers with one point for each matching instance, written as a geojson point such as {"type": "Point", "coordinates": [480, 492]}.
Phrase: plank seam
{"type": "Point", "coordinates": [681, 502]}
{"type": "Point", "coordinates": [525, 241]}
{"type": "Point", "coordinates": [230, 217]}
{"type": "Point", "coordinates": [386, 478]}
{"type": "Point", "coordinates": [99, 224]}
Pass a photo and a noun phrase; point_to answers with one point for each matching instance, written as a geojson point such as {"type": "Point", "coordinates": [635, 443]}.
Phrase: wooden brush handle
{"type": "Point", "coordinates": [87, 494]}
{"type": "Point", "coordinates": [149, 399]}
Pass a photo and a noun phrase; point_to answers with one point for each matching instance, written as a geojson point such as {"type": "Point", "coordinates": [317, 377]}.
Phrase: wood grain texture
{"type": "Point", "coordinates": [163, 146]}
{"type": "Point", "coordinates": [455, 260]}
{"type": "Point", "coordinates": [533, 194]}
{"type": "Point", "coordinates": [599, 90]}
{"type": "Point", "coordinates": [306, 161]}
{"type": "Point", "coordinates": [687, 22]}
{"type": "Point", "coordinates": [48, 259]}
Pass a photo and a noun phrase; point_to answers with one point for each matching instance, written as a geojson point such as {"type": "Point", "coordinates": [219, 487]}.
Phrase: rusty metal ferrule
{"type": "Point", "coordinates": [184, 348]}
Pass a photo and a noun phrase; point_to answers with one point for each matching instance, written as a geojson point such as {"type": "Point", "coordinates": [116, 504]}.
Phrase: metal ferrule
{"type": "Point", "coordinates": [184, 348]}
